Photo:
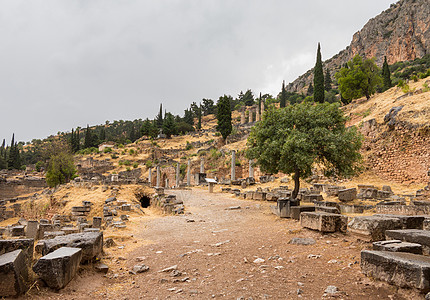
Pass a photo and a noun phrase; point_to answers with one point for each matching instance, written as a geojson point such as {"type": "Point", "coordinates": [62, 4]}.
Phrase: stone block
{"type": "Point", "coordinates": [259, 196]}
{"type": "Point", "coordinates": [97, 222]}
{"type": "Point", "coordinates": [16, 231]}
{"type": "Point", "coordinates": [14, 279]}
{"type": "Point", "coordinates": [398, 246]}
{"type": "Point", "coordinates": [351, 209]}
{"type": "Point", "coordinates": [327, 209]}
{"type": "Point", "coordinates": [312, 197]}
{"type": "Point", "coordinates": [44, 227]}
{"type": "Point", "coordinates": [91, 244]}
{"type": "Point", "coordinates": [58, 268]}
{"type": "Point", "coordinates": [295, 211]}
{"type": "Point", "coordinates": [426, 223]}
{"type": "Point", "coordinates": [52, 234]}
{"type": "Point", "coordinates": [417, 236]}
{"type": "Point", "coordinates": [373, 227]}
{"type": "Point", "coordinates": [284, 206]}
{"type": "Point", "coordinates": [26, 245]}
{"type": "Point", "coordinates": [70, 230]}
{"type": "Point", "coordinates": [398, 268]}
{"type": "Point", "coordinates": [32, 229]}
{"type": "Point", "coordinates": [126, 207]}
{"type": "Point", "coordinates": [347, 195]}
{"type": "Point", "coordinates": [249, 195]}
{"type": "Point", "coordinates": [408, 222]}
{"type": "Point", "coordinates": [324, 222]}
{"type": "Point", "coordinates": [271, 197]}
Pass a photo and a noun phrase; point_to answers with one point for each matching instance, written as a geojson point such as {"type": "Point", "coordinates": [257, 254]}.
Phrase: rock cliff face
{"type": "Point", "coordinates": [401, 33]}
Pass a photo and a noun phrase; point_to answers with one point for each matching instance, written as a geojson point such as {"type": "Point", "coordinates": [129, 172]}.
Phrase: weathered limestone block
{"type": "Point", "coordinates": [346, 195]}
{"type": "Point", "coordinates": [13, 274]}
{"type": "Point", "coordinates": [417, 236]}
{"type": "Point", "coordinates": [249, 195]}
{"type": "Point", "coordinates": [324, 222]}
{"type": "Point", "coordinates": [408, 222]}
{"type": "Point", "coordinates": [295, 211]}
{"type": "Point", "coordinates": [312, 197]}
{"type": "Point", "coordinates": [97, 222]}
{"type": "Point", "coordinates": [271, 197]}
{"type": "Point", "coordinates": [398, 246]}
{"type": "Point", "coordinates": [32, 229]}
{"type": "Point", "coordinates": [327, 209]}
{"type": "Point", "coordinates": [351, 209]}
{"type": "Point", "coordinates": [259, 196]}
{"type": "Point", "coordinates": [26, 245]}
{"type": "Point", "coordinates": [284, 205]}
{"type": "Point", "coordinates": [426, 223]}
{"type": "Point", "coordinates": [400, 269]}
{"type": "Point", "coordinates": [58, 268]}
{"type": "Point", "coordinates": [373, 226]}
{"type": "Point", "coordinates": [18, 230]}
{"type": "Point", "coordinates": [91, 244]}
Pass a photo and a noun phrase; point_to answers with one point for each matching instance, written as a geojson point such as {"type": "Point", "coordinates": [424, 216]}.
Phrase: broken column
{"type": "Point", "coordinates": [158, 176]}
{"type": "Point", "coordinates": [189, 173]}
{"type": "Point", "coordinates": [233, 165]}
{"type": "Point", "coordinates": [250, 115]}
{"type": "Point", "coordinates": [202, 165]}
{"type": "Point", "coordinates": [251, 168]}
{"type": "Point", "coordinates": [257, 114]}
{"type": "Point", "coordinates": [178, 171]}
{"type": "Point", "coordinates": [262, 106]}
{"type": "Point", "coordinates": [150, 176]}
{"type": "Point", "coordinates": [58, 268]}
{"type": "Point", "coordinates": [13, 274]}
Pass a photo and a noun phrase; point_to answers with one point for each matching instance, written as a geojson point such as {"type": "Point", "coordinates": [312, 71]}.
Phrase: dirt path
{"type": "Point", "coordinates": [232, 254]}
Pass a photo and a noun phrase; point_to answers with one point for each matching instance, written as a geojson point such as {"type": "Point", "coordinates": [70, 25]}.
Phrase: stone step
{"type": "Point", "coordinates": [58, 268]}
{"type": "Point", "coordinates": [398, 268]}
{"type": "Point", "coordinates": [417, 236]}
{"type": "Point", "coordinates": [295, 211]}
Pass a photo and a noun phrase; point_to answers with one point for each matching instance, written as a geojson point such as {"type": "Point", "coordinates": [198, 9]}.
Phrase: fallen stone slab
{"type": "Point", "coordinates": [324, 222]}
{"type": "Point", "coordinates": [295, 211]}
{"type": "Point", "coordinates": [408, 222]}
{"type": "Point", "coordinates": [14, 278]}
{"type": "Point", "coordinates": [312, 197]}
{"type": "Point", "coordinates": [101, 267]}
{"type": "Point", "coordinates": [91, 244]}
{"type": "Point", "coordinates": [398, 268]}
{"type": "Point", "coordinates": [347, 195]}
{"type": "Point", "coordinates": [352, 209]}
{"type": "Point", "coordinates": [373, 227]}
{"type": "Point", "coordinates": [398, 246]}
{"type": "Point", "coordinates": [417, 236]}
{"type": "Point", "coordinates": [15, 231]}
{"type": "Point", "coordinates": [58, 268]}
{"type": "Point", "coordinates": [26, 245]}
{"type": "Point", "coordinates": [327, 209]}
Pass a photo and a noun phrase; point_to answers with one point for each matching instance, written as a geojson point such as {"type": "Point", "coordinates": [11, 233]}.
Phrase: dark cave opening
{"type": "Point", "coordinates": [145, 201]}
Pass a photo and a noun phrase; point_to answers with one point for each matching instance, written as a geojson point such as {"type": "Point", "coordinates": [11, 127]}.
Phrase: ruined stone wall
{"type": "Point", "coordinates": [15, 188]}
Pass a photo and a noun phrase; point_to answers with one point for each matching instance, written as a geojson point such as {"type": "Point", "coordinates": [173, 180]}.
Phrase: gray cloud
{"type": "Point", "coordinates": [68, 63]}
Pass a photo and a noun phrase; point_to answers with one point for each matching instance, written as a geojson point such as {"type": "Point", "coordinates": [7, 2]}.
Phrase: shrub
{"type": "Point", "coordinates": [135, 165]}
{"type": "Point", "coordinates": [148, 164]}
{"type": "Point", "coordinates": [414, 78]}
{"type": "Point", "coordinates": [39, 166]}
{"type": "Point", "coordinates": [61, 169]}
{"type": "Point", "coordinates": [114, 156]}
{"type": "Point", "coordinates": [189, 146]}
{"type": "Point", "coordinates": [132, 152]}
{"type": "Point", "coordinates": [215, 154]}
{"type": "Point", "coordinates": [107, 150]}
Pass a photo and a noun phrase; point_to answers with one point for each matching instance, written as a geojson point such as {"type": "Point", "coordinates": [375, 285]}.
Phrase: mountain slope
{"type": "Point", "coordinates": [401, 33]}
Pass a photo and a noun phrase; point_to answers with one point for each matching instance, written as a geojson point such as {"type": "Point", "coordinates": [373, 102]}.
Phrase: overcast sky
{"type": "Point", "coordinates": [67, 63]}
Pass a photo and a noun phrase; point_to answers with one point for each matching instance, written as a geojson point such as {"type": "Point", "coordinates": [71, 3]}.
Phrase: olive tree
{"type": "Point", "coordinates": [293, 139]}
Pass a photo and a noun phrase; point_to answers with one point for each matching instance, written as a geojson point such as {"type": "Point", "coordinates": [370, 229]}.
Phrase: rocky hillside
{"type": "Point", "coordinates": [401, 33]}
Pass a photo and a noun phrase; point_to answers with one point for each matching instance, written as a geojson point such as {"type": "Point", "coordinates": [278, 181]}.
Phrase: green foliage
{"type": "Point", "coordinates": [169, 125]}
{"type": "Point", "coordinates": [310, 91]}
{"type": "Point", "coordinates": [414, 78]}
{"type": "Point", "coordinates": [124, 162]}
{"type": "Point", "coordinates": [386, 75]}
{"type": "Point", "coordinates": [319, 78]}
{"type": "Point", "coordinates": [149, 164]}
{"type": "Point", "coordinates": [135, 165]}
{"type": "Point", "coordinates": [188, 117]}
{"type": "Point", "coordinates": [247, 98]}
{"type": "Point", "coordinates": [215, 154]}
{"type": "Point", "coordinates": [39, 166]}
{"type": "Point", "coordinates": [159, 118]}
{"type": "Point", "coordinates": [182, 169]}
{"type": "Point", "coordinates": [114, 156]}
{"type": "Point", "coordinates": [359, 78]}
{"type": "Point", "coordinates": [189, 146]}
{"type": "Point", "coordinates": [330, 97]}
{"type": "Point", "coordinates": [61, 169]}
{"type": "Point", "coordinates": [107, 150]}
{"type": "Point", "coordinates": [88, 151]}
{"type": "Point", "coordinates": [224, 116]}
{"type": "Point", "coordinates": [293, 139]}
{"type": "Point", "coordinates": [208, 107]}
{"type": "Point", "coordinates": [183, 128]}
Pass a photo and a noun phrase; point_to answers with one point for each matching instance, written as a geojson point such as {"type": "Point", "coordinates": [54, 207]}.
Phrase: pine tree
{"type": "Point", "coordinates": [283, 96]}
{"type": "Point", "coordinates": [188, 117]}
{"type": "Point", "coordinates": [310, 91]}
{"type": "Point", "coordinates": [327, 81]}
{"type": "Point", "coordinates": [132, 135]}
{"type": "Point", "coordinates": [169, 125]}
{"type": "Point", "coordinates": [319, 78]}
{"type": "Point", "coordinates": [386, 75]}
{"type": "Point", "coordinates": [159, 118]}
{"type": "Point", "coordinates": [224, 116]}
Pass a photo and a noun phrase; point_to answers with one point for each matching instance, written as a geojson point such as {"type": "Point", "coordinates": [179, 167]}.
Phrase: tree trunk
{"type": "Point", "coordinates": [296, 178]}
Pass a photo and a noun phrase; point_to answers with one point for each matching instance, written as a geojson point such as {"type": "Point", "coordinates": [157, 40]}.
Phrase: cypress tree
{"type": "Point", "coordinates": [199, 124]}
{"type": "Point", "coordinates": [386, 75]}
{"type": "Point", "coordinates": [318, 78]}
{"type": "Point", "coordinates": [327, 81]}
{"type": "Point", "coordinates": [102, 135]}
{"type": "Point", "coordinates": [283, 97]}
{"type": "Point", "coordinates": [310, 90]}
{"type": "Point", "coordinates": [87, 141]}
{"type": "Point", "coordinates": [159, 118]}
{"type": "Point", "coordinates": [11, 158]}
{"type": "Point", "coordinates": [224, 116]}
{"type": "Point", "coordinates": [17, 158]}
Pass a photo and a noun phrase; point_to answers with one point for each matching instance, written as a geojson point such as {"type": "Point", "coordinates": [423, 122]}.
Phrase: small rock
{"type": "Point", "coordinates": [109, 243]}
{"type": "Point", "coordinates": [233, 208]}
{"type": "Point", "coordinates": [331, 289]}
{"type": "Point", "coordinates": [302, 241]}
{"type": "Point", "coordinates": [175, 273]}
{"type": "Point", "coordinates": [169, 269]}
{"type": "Point", "coordinates": [140, 269]}
{"type": "Point", "coordinates": [190, 221]}
{"type": "Point", "coordinates": [299, 291]}
{"type": "Point", "coordinates": [102, 268]}
{"type": "Point", "coordinates": [314, 256]}
{"type": "Point", "coordinates": [258, 261]}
